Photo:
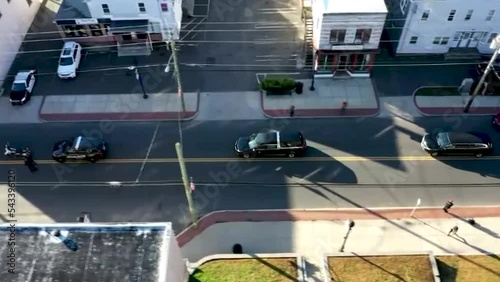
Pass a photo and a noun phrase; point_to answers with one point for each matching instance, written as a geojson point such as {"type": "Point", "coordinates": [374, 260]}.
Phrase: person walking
{"type": "Point", "coordinates": [453, 230]}
{"type": "Point", "coordinates": [448, 206]}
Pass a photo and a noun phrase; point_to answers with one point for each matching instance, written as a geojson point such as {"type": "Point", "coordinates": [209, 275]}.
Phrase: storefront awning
{"type": "Point", "coordinates": [127, 26]}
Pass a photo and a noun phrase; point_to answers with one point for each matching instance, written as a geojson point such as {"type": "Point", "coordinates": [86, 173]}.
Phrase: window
{"type": "Point", "coordinates": [441, 40]}
{"type": "Point", "coordinates": [452, 15]}
{"type": "Point", "coordinates": [403, 4]}
{"type": "Point", "coordinates": [491, 13]}
{"type": "Point", "coordinates": [492, 37]}
{"type": "Point", "coordinates": [142, 8]}
{"type": "Point", "coordinates": [75, 31]}
{"type": "Point", "coordinates": [469, 15]}
{"type": "Point", "coordinates": [337, 36]}
{"type": "Point", "coordinates": [362, 36]}
{"type": "Point", "coordinates": [95, 30]}
{"type": "Point", "coordinates": [29, 2]}
{"type": "Point", "coordinates": [425, 15]}
{"type": "Point", "coordinates": [164, 7]}
{"type": "Point", "coordinates": [413, 40]}
{"type": "Point", "coordinates": [105, 8]}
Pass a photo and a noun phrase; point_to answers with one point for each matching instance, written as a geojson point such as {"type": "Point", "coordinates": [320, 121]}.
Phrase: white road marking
{"type": "Point", "coordinates": [188, 24]}
{"type": "Point", "coordinates": [384, 131]}
{"type": "Point", "coordinates": [191, 30]}
{"type": "Point", "coordinates": [148, 152]}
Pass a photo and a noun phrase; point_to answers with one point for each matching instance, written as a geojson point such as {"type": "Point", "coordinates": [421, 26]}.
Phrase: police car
{"type": "Point", "coordinates": [22, 88]}
{"type": "Point", "coordinates": [80, 148]}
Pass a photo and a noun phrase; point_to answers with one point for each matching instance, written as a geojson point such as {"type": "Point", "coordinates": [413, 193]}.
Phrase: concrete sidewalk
{"type": "Point", "coordinates": [326, 100]}
{"type": "Point", "coordinates": [313, 234]}
{"type": "Point", "coordinates": [454, 105]}
{"type": "Point", "coordinates": [117, 107]}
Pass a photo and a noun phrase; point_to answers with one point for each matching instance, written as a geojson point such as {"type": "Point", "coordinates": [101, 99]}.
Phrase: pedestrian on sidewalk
{"type": "Point", "coordinates": [30, 163]}
{"type": "Point", "coordinates": [453, 230]}
{"type": "Point", "coordinates": [448, 206]}
{"type": "Point", "coordinates": [292, 111]}
{"type": "Point", "coordinates": [343, 106]}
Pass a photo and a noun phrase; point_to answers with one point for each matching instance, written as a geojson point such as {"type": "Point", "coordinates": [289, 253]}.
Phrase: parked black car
{"type": "Point", "coordinates": [272, 143]}
{"type": "Point", "coordinates": [457, 143]}
{"type": "Point", "coordinates": [22, 88]}
{"type": "Point", "coordinates": [80, 148]}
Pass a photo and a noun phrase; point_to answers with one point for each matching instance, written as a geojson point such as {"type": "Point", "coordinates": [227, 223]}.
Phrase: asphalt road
{"type": "Point", "coordinates": [381, 156]}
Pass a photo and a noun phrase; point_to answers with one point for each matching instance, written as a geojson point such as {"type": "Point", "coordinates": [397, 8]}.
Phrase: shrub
{"type": "Point", "coordinates": [277, 84]}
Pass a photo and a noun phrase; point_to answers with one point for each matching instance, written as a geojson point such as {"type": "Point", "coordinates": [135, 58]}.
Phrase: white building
{"type": "Point", "coordinates": [16, 17]}
{"type": "Point", "coordinates": [438, 26]}
{"type": "Point", "coordinates": [346, 36]}
{"type": "Point", "coordinates": [132, 25]}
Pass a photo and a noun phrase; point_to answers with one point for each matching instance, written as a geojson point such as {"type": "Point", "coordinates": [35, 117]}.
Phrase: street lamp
{"type": "Point", "coordinates": [495, 44]}
{"type": "Point", "coordinates": [349, 224]}
{"type": "Point", "coordinates": [139, 78]}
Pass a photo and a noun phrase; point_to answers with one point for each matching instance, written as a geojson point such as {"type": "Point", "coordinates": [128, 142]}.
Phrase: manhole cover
{"type": "Point", "coordinates": [210, 60]}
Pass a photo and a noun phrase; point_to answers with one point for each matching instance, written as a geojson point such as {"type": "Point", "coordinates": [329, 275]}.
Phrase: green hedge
{"type": "Point", "coordinates": [277, 84]}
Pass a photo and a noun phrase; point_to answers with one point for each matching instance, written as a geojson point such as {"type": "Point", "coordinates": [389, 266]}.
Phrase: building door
{"type": "Point", "coordinates": [464, 39]}
{"type": "Point", "coordinates": [343, 60]}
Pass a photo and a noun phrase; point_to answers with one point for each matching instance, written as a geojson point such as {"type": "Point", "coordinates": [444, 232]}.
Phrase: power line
{"type": "Point", "coordinates": [284, 23]}
{"type": "Point", "coordinates": [271, 29]}
{"type": "Point", "coordinates": [260, 68]}
{"type": "Point", "coordinates": [187, 43]}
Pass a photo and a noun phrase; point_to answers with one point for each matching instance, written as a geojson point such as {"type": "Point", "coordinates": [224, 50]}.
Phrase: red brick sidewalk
{"type": "Point", "coordinates": [309, 215]}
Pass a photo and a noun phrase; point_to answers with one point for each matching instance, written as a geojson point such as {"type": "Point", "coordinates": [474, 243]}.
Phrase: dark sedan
{"type": "Point", "coordinates": [457, 143]}
{"type": "Point", "coordinates": [80, 148]}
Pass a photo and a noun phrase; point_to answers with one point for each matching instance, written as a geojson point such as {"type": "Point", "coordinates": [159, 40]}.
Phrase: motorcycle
{"type": "Point", "coordinates": [10, 151]}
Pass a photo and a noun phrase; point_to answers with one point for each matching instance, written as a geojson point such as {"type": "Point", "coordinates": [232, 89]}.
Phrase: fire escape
{"type": "Point", "coordinates": [307, 19]}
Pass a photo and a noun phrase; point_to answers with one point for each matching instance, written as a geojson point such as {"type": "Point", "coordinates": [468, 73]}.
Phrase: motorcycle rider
{"type": "Point", "coordinates": [29, 162]}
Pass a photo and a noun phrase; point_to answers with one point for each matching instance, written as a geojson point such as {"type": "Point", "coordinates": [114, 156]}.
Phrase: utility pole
{"type": "Point", "coordinates": [177, 74]}
{"type": "Point", "coordinates": [185, 181]}
{"type": "Point", "coordinates": [496, 45]}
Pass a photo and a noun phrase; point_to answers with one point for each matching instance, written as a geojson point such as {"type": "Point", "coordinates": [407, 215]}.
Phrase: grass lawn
{"type": "Point", "coordinates": [438, 91]}
{"type": "Point", "coordinates": [381, 269]}
{"type": "Point", "coordinates": [469, 268]}
{"type": "Point", "coordinates": [247, 270]}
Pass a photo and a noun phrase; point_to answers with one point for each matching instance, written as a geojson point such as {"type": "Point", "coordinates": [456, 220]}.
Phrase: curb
{"type": "Point", "coordinates": [226, 216]}
{"type": "Point", "coordinates": [451, 111]}
{"type": "Point", "coordinates": [315, 117]}
{"type": "Point", "coordinates": [193, 116]}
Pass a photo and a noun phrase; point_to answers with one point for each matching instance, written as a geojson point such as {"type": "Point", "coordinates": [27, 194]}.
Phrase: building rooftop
{"type": "Point", "coordinates": [354, 6]}
{"type": "Point", "coordinates": [87, 252]}
{"type": "Point", "coordinates": [73, 9]}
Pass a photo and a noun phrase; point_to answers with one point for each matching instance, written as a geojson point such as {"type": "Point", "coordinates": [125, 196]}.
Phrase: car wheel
{"type": "Point", "coordinates": [291, 155]}
{"type": "Point", "coordinates": [478, 155]}
{"type": "Point", "coordinates": [246, 155]}
{"type": "Point", "coordinates": [93, 160]}
{"type": "Point", "coordinates": [61, 160]}
{"type": "Point", "coordinates": [434, 154]}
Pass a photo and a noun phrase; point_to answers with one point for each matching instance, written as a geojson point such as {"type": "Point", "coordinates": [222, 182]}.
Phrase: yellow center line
{"type": "Point", "coordinates": [235, 159]}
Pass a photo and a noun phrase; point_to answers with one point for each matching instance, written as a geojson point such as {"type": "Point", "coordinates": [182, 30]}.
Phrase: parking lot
{"type": "Point", "coordinates": [221, 49]}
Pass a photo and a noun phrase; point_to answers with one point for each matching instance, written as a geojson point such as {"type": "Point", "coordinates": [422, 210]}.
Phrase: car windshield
{"type": "Point", "coordinates": [66, 61]}
{"type": "Point", "coordinates": [442, 139]}
{"type": "Point", "coordinates": [18, 87]}
{"type": "Point", "coordinates": [256, 140]}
